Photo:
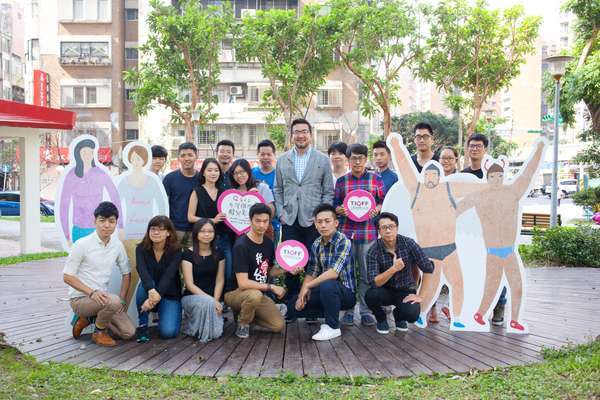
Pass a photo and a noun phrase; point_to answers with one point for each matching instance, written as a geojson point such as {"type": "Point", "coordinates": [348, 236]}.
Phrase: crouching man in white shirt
{"type": "Point", "coordinates": [88, 271]}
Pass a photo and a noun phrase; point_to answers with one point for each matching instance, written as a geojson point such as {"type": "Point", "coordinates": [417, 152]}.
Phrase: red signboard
{"type": "Point", "coordinates": [60, 155]}
{"type": "Point", "coordinates": [40, 88]}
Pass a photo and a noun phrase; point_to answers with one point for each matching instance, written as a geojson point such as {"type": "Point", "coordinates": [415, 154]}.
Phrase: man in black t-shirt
{"type": "Point", "coordinates": [424, 141]}
{"type": "Point", "coordinates": [253, 255]}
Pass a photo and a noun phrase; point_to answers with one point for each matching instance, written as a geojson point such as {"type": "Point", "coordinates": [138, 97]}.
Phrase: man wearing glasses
{"type": "Point", "coordinates": [424, 142]}
{"type": "Point", "coordinates": [302, 182]}
{"type": "Point", "coordinates": [477, 145]}
{"type": "Point", "coordinates": [388, 270]}
{"type": "Point", "coordinates": [364, 233]}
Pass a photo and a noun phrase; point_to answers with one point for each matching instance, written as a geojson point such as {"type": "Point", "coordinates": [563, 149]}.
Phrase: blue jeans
{"type": "Point", "coordinates": [327, 300]}
{"type": "Point", "coordinates": [169, 314]}
{"type": "Point", "coordinates": [225, 246]}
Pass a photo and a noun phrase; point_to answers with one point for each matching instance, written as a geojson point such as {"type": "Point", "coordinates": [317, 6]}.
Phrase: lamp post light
{"type": "Point", "coordinates": [557, 67]}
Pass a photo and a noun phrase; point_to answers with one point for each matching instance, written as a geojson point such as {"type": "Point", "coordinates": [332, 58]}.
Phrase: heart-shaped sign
{"type": "Point", "coordinates": [236, 206]}
{"type": "Point", "coordinates": [291, 255]}
{"type": "Point", "coordinates": [358, 203]}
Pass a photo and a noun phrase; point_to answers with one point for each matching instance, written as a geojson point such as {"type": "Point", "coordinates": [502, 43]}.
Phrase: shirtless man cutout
{"type": "Point", "coordinates": [433, 207]}
{"type": "Point", "coordinates": [498, 209]}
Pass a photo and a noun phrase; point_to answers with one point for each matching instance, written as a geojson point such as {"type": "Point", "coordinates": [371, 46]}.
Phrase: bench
{"type": "Point", "coordinates": [529, 221]}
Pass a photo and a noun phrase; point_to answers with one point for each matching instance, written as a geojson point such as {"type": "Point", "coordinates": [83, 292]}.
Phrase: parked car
{"type": "Point", "coordinates": [10, 205]}
{"type": "Point", "coordinates": [567, 186]}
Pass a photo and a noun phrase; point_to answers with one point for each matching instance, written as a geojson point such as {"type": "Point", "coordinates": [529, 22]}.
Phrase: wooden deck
{"type": "Point", "coordinates": [562, 308]}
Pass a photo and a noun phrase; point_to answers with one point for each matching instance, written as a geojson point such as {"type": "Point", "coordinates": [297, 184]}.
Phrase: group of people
{"type": "Point", "coordinates": [192, 267]}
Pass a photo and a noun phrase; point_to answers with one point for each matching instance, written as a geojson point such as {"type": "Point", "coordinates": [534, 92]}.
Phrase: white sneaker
{"type": "Point", "coordinates": [327, 333]}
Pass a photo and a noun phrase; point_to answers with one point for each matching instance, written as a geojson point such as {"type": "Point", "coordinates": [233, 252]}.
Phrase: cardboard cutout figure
{"type": "Point", "coordinates": [433, 209]}
{"type": "Point", "coordinates": [498, 209]}
{"type": "Point", "coordinates": [142, 196]}
{"type": "Point", "coordinates": [84, 184]}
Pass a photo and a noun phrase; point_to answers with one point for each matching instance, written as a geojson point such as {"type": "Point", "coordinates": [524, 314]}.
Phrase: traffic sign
{"type": "Point", "coordinates": [535, 131]}
{"type": "Point", "coordinates": [6, 168]}
{"type": "Point", "coordinates": [550, 118]}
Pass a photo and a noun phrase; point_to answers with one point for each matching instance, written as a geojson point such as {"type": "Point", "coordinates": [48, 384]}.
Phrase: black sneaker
{"type": "Point", "coordinates": [498, 316]}
{"type": "Point", "coordinates": [143, 335]}
{"type": "Point", "coordinates": [402, 326]}
{"type": "Point", "coordinates": [242, 331]}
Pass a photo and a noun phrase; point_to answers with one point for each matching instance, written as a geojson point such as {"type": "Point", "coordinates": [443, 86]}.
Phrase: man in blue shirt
{"type": "Point", "coordinates": [381, 159]}
{"type": "Point", "coordinates": [179, 185]}
{"type": "Point", "coordinates": [265, 172]}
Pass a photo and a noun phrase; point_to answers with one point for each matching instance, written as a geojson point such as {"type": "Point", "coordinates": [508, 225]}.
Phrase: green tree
{"type": "Point", "coordinates": [295, 53]}
{"type": "Point", "coordinates": [476, 50]}
{"type": "Point", "coordinates": [498, 146]}
{"type": "Point", "coordinates": [582, 79]}
{"type": "Point", "coordinates": [181, 59]}
{"type": "Point", "coordinates": [375, 40]}
{"type": "Point", "coordinates": [445, 130]}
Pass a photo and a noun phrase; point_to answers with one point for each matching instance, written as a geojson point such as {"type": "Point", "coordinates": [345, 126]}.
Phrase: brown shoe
{"type": "Point", "coordinates": [79, 326]}
{"type": "Point", "coordinates": [101, 338]}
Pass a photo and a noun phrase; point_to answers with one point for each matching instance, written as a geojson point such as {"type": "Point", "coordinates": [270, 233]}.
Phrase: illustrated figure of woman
{"type": "Point", "coordinates": [83, 187]}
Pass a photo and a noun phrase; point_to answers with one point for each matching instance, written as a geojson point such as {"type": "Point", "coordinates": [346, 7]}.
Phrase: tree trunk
{"type": "Point", "coordinates": [189, 129]}
{"type": "Point", "coordinates": [595, 113]}
{"type": "Point", "coordinates": [387, 122]}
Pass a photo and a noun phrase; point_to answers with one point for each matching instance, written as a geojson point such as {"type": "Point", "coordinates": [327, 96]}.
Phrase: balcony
{"type": "Point", "coordinates": [91, 61]}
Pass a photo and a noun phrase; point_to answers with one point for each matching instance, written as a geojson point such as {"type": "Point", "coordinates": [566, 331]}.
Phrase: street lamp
{"type": "Point", "coordinates": [557, 67]}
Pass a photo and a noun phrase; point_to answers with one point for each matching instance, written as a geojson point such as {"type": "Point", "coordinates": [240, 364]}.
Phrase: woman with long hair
{"type": "Point", "coordinates": [158, 258]}
{"type": "Point", "coordinates": [203, 270]}
{"type": "Point", "coordinates": [241, 178]}
{"type": "Point", "coordinates": [203, 204]}
{"type": "Point", "coordinates": [83, 188]}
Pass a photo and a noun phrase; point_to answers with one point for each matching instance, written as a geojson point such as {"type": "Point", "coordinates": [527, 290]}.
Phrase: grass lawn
{"type": "Point", "coordinates": [31, 257]}
{"type": "Point", "coordinates": [565, 374]}
{"type": "Point", "coordinates": [43, 218]}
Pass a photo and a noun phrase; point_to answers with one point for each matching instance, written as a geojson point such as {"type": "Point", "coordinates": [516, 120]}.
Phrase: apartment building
{"type": "Point", "coordinates": [11, 51]}
{"type": "Point", "coordinates": [76, 51]}
{"type": "Point", "coordinates": [333, 112]}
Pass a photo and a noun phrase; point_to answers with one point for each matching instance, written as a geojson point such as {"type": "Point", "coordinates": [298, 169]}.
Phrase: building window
{"type": "Point", "coordinates": [252, 135]}
{"type": "Point", "coordinates": [103, 10]}
{"type": "Point", "coordinates": [85, 96]}
{"type": "Point", "coordinates": [129, 94]}
{"type": "Point", "coordinates": [131, 134]}
{"type": "Point", "coordinates": [207, 136]}
{"type": "Point", "coordinates": [6, 45]}
{"type": "Point", "coordinates": [180, 132]}
{"type": "Point", "coordinates": [131, 14]}
{"type": "Point", "coordinates": [78, 10]}
{"type": "Point", "coordinates": [131, 53]}
{"type": "Point", "coordinates": [84, 53]}
{"type": "Point", "coordinates": [327, 137]}
{"type": "Point", "coordinates": [254, 94]}
{"type": "Point", "coordinates": [35, 8]}
{"type": "Point", "coordinates": [34, 49]}
{"type": "Point", "coordinates": [329, 98]}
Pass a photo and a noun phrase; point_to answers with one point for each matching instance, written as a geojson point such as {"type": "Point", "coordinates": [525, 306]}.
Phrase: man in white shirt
{"type": "Point", "coordinates": [87, 272]}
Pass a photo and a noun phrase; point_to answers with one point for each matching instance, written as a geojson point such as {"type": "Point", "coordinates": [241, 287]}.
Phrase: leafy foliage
{"type": "Point", "coordinates": [375, 40]}
{"type": "Point", "coordinates": [181, 55]}
{"type": "Point", "coordinates": [295, 53]}
{"type": "Point", "coordinates": [569, 246]}
{"type": "Point", "coordinates": [588, 198]}
{"type": "Point", "coordinates": [475, 50]}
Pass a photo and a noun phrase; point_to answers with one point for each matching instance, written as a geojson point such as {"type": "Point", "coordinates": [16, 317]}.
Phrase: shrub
{"type": "Point", "coordinates": [589, 198]}
{"type": "Point", "coordinates": [570, 246]}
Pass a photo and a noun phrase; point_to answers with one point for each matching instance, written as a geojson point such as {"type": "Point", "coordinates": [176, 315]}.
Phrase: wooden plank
{"type": "Point", "coordinates": [292, 360]}
{"type": "Point", "coordinates": [175, 346]}
{"type": "Point", "coordinates": [149, 350]}
{"type": "Point", "coordinates": [203, 353]}
{"type": "Point", "coordinates": [366, 358]}
{"type": "Point", "coordinates": [311, 360]}
{"type": "Point", "coordinates": [237, 358]}
{"type": "Point", "coordinates": [332, 364]}
{"type": "Point", "coordinates": [352, 364]}
{"type": "Point", "coordinates": [273, 364]}
{"type": "Point", "coordinates": [253, 364]}
{"type": "Point", "coordinates": [211, 365]}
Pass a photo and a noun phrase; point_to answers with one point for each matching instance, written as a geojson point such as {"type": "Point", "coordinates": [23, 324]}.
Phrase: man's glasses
{"type": "Point", "coordinates": [357, 159]}
{"type": "Point", "coordinates": [422, 137]}
{"type": "Point", "coordinates": [390, 227]}
{"type": "Point", "coordinates": [476, 146]}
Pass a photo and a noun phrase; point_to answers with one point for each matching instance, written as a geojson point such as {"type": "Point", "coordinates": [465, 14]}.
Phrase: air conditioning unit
{"type": "Point", "coordinates": [248, 12]}
{"type": "Point", "coordinates": [236, 91]}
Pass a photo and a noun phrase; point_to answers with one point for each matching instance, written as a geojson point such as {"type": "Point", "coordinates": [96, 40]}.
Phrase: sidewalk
{"type": "Point", "coordinates": [10, 248]}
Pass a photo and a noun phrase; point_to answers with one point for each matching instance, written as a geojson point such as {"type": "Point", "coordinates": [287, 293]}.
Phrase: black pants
{"type": "Point", "coordinates": [376, 298]}
{"type": "Point", "coordinates": [306, 236]}
{"type": "Point", "coordinates": [326, 300]}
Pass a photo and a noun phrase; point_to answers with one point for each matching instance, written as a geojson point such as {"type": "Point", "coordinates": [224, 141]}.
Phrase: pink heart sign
{"type": "Point", "coordinates": [236, 206]}
{"type": "Point", "coordinates": [291, 255]}
{"type": "Point", "coordinates": [358, 203]}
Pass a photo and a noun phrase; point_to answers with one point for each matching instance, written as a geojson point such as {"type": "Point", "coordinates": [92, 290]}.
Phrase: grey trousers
{"type": "Point", "coordinates": [359, 258]}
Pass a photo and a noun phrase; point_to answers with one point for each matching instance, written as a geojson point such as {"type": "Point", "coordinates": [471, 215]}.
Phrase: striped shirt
{"type": "Point", "coordinates": [300, 162]}
{"type": "Point", "coordinates": [334, 254]}
{"type": "Point", "coordinates": [361, 232]}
